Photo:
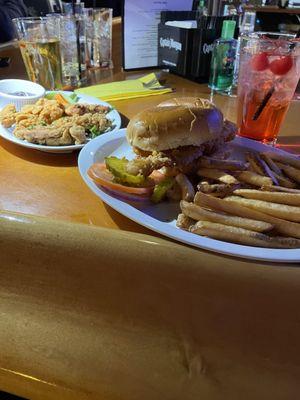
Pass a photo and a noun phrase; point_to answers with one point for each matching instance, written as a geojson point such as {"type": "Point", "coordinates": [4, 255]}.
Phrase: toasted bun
{"type": "Point", "coordinates": [186, 101]}
{"type": "Point", "coordinates": [168, 127]}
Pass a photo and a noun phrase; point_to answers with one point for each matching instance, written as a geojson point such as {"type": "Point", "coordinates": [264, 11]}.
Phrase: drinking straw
{"type": "Point", "coordinates": [263, 103]}
{"type": "Point", "coordinates": [77, 38]}
{"type": "Point", "coordinates": [267, 97]}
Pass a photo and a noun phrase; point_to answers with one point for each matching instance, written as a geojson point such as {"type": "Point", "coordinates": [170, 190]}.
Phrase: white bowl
{"type": "Point", "coordinates": [9, 86]}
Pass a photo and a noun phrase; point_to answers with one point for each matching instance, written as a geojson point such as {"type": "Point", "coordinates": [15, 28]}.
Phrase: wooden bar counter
{"type": "Point", "coordinates": [120, 314]}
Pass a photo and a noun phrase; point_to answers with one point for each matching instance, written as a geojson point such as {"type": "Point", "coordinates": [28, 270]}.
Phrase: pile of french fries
{"type": "Point", "coordinates": [254, 203]}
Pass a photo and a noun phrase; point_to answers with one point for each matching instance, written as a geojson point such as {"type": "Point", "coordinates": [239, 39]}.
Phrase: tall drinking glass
{"type": "Point", "coordinates": [268, 76]}
{"type": "Point", "coordinates": [40, 49]}
{"type": "Point", "coordinates": [88, 16]}
{"type": "Point", "coordinates": [102, 39]}
{"type": "Point", "coordinates": [71, 31]}
{"type": "Point", "coordinates": [73, 48]}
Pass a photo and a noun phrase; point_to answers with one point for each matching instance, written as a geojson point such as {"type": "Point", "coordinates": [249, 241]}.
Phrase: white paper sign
{"type": "Point", "coordinates": [141, 18]}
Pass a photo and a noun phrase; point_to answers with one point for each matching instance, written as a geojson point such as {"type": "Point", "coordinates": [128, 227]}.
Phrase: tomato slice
{"type": "Point", "coordinates": [100, 175]}
{"type": "Point", "coordinates": [260, 62]}
{"type": "Point", "coordinates": [281, 65]}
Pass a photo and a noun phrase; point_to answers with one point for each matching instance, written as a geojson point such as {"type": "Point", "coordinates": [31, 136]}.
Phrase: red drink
{"type": "Point", "coordinates": [269, 73]}
{"type": "Point", "coordinates": [266, 127]}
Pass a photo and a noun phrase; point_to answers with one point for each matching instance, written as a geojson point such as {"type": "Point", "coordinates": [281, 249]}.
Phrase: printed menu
{"type": "Point", "coordinates": [140, 24]}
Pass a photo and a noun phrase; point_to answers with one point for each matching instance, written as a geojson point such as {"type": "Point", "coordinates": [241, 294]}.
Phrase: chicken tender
{"type": "Point", "coordinates": [54, 135]}
{"type": "Point", "coordinates": [80, 109]}
{"type": "Point", "coordinates": [8, 116]}
{"type": "Point", "coordinates": [89, 120]}
{"type": "Point", "coordinates": [51, 112]}
{"type": "Point", "coordinates": [51, 136]}
{"type": "Point", "coordinates": [78, 133]}
{"type": "Point", "coordinates": [25, 122]}
{"type": "Point", "coordinates": [146, 165]}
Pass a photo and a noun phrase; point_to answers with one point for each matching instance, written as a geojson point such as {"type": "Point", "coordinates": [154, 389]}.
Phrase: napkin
{"type": "Point", "coordinates": [129, 89]}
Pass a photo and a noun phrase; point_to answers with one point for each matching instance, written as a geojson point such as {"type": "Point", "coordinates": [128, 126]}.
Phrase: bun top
{"type": "Point", "coordinates": [186, 101]}
{"type": "Point", "coordinates": [167, 126]}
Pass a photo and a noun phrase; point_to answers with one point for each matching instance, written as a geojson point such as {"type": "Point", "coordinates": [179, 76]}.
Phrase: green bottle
{"type": "Point", "coordinates": [223, 59]}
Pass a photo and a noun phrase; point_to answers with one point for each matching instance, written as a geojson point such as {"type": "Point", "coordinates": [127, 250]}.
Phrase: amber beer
{"type": "Point", "coordinates": [40, 50]}
{"type": "Point", "coordinates": [43, 62]}
{"type": "Point", "coordinates": [268, 76]}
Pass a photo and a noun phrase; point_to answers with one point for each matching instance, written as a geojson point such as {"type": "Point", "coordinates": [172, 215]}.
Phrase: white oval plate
{"type": "Point", "coordinates": [161, 217]}
{"type": "Point", "coordinates": [113, 115]}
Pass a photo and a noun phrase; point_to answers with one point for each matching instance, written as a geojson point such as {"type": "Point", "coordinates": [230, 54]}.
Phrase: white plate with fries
{"type": "Point", "coordinates": [113, 116]}
{"type": "Point", "coordinates": [245, 218]}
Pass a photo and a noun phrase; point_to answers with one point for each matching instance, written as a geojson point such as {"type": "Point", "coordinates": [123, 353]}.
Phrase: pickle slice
{"type": "Point", "coordinates": [117, 166]}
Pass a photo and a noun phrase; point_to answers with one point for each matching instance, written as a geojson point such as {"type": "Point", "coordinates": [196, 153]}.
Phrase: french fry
{"type": "Point", "coordinates": [253, 164]}
{"type": "Point", "coordinates": [217, 189]}
{"type": "Point", "coordinates": [283, 227]}
{"type": "Point", "coordinates": [227, 208]}
{"type": "Point", "coordinates": [271, 164]}
{"type": "Point", "coordinates": [292, 199]}
{"type": "Point", "coordinates": [285, 159]}
{"type": "Point", "coordinates": [200, 214]}
{"type": "Point", "coordinates": [254, 179]}
{"type": "Point", "coordinates": [291, 172]}
{"type": "Point", "coordinates": [284, 181]}
{"type": "Point", "coordinates": [282, 211]}
{"type": "Point", "coordinates": [215, 163]}
{"type": "Point", "coordinates": [267, 170]}
{"type": "Point", "coordinates": [242, 236]}
{"type": "Point", "coordinates": [290, 243]}
{"type": "Point", "coordinates": [184, 222]}
{"type": "Point", "coordinates": [206, 187]}
{"type": "Point", "coordinates": [280, 189]}
{"type": "Point", "coordinates": [217, 175]}
{"type": "Point", "coordinates": [187, 189]}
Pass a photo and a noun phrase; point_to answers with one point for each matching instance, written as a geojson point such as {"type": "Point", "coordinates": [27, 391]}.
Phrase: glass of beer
{"type": "Point", "coordinates": [268, 76]}
{"type": "Point", "coordinates": [40, 50]}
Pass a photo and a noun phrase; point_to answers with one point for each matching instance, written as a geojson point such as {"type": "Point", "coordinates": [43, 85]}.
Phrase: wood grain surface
{"type": "Point", "coordinates": [94, 314]}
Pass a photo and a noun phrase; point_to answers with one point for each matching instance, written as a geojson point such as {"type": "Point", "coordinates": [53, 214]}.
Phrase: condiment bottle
{"type": "Point", "coordinates": [223, 59]}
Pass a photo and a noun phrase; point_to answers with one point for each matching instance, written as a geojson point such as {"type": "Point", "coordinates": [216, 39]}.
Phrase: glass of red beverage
{"type": "Point", "coordinates": [268, 76]}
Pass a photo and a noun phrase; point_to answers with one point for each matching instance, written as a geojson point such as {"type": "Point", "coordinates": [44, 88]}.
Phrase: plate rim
{"type": "Point", "coordinates": [67, 148]}
{"type": "Point", "coordinates": [212, 245]}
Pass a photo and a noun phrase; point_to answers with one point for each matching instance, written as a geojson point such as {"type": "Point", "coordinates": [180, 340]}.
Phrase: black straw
{"type": "Point", "coordinates": [263, 104]}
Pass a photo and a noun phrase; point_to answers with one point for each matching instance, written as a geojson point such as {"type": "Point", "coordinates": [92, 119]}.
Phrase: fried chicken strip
{"type": "Point", "coordinates": [8, 115]}
{"type": "Point", "coordinates": [81, 109]}
{"type": "Point", "coordinates": [146, 165]}
{"type": "Point", "coordinates": [183, 158]}
{"type": "Point", "coordinates": [51, 136]}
